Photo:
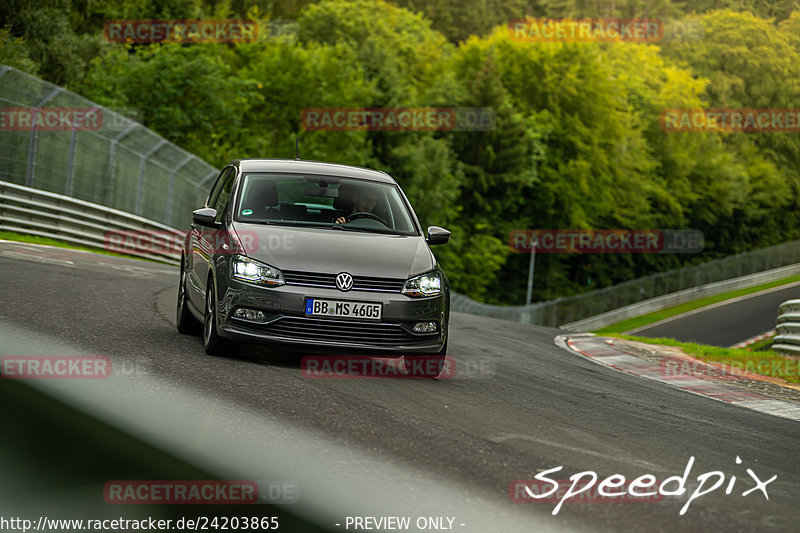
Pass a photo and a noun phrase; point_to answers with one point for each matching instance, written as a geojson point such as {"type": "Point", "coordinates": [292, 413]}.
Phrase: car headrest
{"type": "Point", "coordinates": [262, 193]}
{"type": "Point", "coordinates": [344, 202]}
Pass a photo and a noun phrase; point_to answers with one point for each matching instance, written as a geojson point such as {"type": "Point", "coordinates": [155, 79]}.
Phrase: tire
{"type": "Point", "coordinates": [187, 323]}
{"type": "Point", "coordinates": [212, 342]}
{"type": "Point", "coordinates": [425, 366]}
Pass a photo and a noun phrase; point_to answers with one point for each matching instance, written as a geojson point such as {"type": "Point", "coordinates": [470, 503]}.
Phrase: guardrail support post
{"type": "Point", "coordinates": [171, 186]}
{"type": "Point", "coordinates": [142, 164]}
{"type": "Point", "coordinates": [34, 138]}
{"type": "Point", "coordinates": [112, 158]}
{"type": "Point", "coordinates": [531, 266]}
{"type": "Point", "coordinates": [73, 139]}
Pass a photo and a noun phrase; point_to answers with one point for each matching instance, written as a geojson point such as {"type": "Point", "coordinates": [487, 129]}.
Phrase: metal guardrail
{"type": "Point", "coordinates": [45, 214]}
{"type": "Point", "coordinates": [677, 298]}
{"type": "Point", "coordinates": [611, 304]}
{"type": "Point", "coordinates": [787, 338]}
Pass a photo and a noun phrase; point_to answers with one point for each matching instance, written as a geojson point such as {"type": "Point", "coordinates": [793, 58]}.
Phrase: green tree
{"type": "Point", "coordinates": [751, 63]}
{"type": "Point", "coordinates": [14, 53]}
{"type": "Point", "coordinates": [61, 54]}
{"type": "Point", "coordinates": [292, 77]}
{"type": "Point", "coordinates": [459, 19]}
{"type": "Point", "coordinates": [186, 93]}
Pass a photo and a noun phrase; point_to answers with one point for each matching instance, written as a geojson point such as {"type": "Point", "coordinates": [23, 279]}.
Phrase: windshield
{"type": "Point", "coordinates": [323, 201]}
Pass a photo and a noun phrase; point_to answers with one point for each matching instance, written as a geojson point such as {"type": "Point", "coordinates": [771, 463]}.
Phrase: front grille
{"type": "Point", "coordinates": [366, 283]}
{"type": "Point", "coordinates": [334, 330]}
{"type": "Point", "coordinates": [312, 279]}
{"type": "Point", "coordinates": [360, 283]}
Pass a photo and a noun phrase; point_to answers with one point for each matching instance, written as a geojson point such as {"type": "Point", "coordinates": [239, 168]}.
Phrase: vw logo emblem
{"type": "Point", "coordinates": [344, 281]}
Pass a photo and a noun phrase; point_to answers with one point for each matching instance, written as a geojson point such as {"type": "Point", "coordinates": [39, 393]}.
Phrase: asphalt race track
{"type": "Point", "coordinates": [726, 323]}
{"type": "Point", "coordinates": [528, 406]}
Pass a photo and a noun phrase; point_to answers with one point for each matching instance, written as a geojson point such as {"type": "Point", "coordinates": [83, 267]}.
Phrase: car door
{"type": "Point", "coordinates": [204, 239]}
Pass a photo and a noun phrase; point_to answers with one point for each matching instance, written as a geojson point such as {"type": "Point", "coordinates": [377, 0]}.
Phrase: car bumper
{"type": "Point", "coordinates": [286, 325]}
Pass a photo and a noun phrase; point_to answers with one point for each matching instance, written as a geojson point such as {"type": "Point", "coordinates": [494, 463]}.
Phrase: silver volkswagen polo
{"type": "Point", "coordinates": [315, 257]}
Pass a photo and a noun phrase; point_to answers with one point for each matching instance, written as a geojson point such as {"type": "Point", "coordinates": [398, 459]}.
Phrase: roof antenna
{"type": "Point", "coordinates": [297, 148]}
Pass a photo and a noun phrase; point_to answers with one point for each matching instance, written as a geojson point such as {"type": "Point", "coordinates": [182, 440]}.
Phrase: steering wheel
{"type": "Point", "coordinates": [366, 214]}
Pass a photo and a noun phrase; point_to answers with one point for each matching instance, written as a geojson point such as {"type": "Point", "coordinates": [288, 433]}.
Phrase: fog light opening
{"type": "Point", "coordinates": [250, 314]}
{"type": "Point", "coordinates": [426, 327]}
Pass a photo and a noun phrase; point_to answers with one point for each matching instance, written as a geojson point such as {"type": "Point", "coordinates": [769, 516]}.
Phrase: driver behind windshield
{"type": "Point", "coordinates": [363, 202]}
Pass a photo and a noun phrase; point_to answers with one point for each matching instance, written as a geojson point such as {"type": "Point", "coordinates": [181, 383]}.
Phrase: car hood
{"type": "Point", "coordinates": [332, 251]}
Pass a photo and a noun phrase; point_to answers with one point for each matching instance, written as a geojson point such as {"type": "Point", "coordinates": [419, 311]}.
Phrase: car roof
{"type": "Point", "coordinates": [311, 167]}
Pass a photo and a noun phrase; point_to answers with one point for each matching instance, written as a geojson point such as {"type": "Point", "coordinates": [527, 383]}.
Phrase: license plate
{"type": "Point", "coordinates": [338, 308]}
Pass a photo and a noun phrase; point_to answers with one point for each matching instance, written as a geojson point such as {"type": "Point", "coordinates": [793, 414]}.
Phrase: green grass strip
{"type": "Point", "coordinates": [35, 239]}
{"type": "Point", "coordinates": [763, 344]}
{"type": "Point", "coordinates": [643, 320]}
{"type": "Point", "coordinates": [766, 362]}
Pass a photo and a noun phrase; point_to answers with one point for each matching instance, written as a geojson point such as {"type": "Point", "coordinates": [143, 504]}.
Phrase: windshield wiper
{"type": "Point", "coordinates": [368, 230]}
{"type": "Point", "coordinates": [268, 222]}
{"type": "Point", "coordinates": [295, 224]}
{"type": "Point", "coordinates": [345, 228]}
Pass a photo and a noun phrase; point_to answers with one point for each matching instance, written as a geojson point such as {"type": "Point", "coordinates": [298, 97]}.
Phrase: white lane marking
{"type": "Point", "coordinates": [617, 458]}
{"type": "Point", "coordinates": [36, 258]}
{"type": "Point", "coordinates": [136, 269]}
{"type": "Point", "coordinates": [36, 246]}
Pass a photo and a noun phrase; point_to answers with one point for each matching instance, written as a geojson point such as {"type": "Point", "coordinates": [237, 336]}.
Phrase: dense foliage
{"type": "Point", "coordinates": [577, 142]}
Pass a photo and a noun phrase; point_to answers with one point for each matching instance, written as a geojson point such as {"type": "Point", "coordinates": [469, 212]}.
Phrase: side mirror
{"type": "Point", "coordinates": [205, 216]}
{"type": "Point", "coordinates": [437, 235]}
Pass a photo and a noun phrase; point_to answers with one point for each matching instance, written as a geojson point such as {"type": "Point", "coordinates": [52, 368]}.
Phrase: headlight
{"type": "Point", "coordinates": [246, 269]}
{"type": "Point", "coordinates": [424, 286]}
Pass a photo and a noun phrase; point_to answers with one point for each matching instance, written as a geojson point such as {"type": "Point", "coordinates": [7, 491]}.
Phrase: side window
{"type": "Point", "coordinates": [214, 194]}
{"type": "Point", "coordinates": [221, 201]}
